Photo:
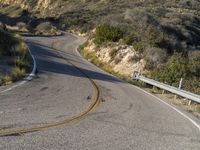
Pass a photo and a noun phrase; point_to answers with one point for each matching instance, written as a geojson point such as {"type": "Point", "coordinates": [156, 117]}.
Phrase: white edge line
{"type": "Point", "coordinates": [28, 78]}
{"type": "Point", "coordinates": [178, 111]}
{"type": "Point", "coordinates": [32, 74]}
{"type": "Point", "coordinates": [175, 109]}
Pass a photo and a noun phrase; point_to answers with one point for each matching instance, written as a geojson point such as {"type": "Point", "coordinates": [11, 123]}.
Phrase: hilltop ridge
{"type": "Point", "coordinates": [164, 33]}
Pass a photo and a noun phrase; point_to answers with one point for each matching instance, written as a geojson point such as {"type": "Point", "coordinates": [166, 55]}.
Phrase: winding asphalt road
{"type": "Point", "coordinates": [127, 119]}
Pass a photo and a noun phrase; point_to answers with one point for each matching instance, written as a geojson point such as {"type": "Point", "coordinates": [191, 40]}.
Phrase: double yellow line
{"type": "Point", "coordinates": [95, 102]}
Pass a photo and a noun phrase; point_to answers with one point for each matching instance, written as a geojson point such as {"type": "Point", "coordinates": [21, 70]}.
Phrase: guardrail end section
{"type": "Point", "coordinates": [136, 75]}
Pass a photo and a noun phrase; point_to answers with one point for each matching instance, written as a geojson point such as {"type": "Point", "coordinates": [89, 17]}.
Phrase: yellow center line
{"type": "Point", "coordinates": [95, 102]}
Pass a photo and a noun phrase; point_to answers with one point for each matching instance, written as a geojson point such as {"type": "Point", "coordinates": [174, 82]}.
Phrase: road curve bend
{"type": "Point", "coordinates": [128, 118]}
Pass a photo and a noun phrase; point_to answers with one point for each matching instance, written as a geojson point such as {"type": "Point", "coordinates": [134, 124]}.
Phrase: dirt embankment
{"type": "Point", "coordinates": [123, 58]}
{"type": "Point", "coordinates": [38, 4]}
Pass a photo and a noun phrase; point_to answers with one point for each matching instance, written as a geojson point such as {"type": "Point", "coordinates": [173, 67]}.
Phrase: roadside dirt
{"type": "Point", "coordinates": [103, 55]}
{"type": "Point", "coordinates": [183, 103]}
{"type": "Point", "coordinates": [124, 59]}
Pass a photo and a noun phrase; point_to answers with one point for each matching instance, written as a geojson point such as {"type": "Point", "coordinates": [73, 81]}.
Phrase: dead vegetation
{"type": "Point", "coordinates": [161, 31]}
{"type": "Point", "coordinates": [13, 58]}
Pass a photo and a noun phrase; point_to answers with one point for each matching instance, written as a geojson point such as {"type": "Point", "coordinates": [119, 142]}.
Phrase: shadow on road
{"type": "Point", "coordinates": [50, 61]}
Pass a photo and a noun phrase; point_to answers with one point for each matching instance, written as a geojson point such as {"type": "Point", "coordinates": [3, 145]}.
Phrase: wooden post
{"type": "Point", "coordinates": [189, 103]}
{"type": "Point", "coordinates": [154, 89]}
{"type": "Point", "coordinates": [163, 92]}
{"type": "Point", "coordinates": [180, 85]}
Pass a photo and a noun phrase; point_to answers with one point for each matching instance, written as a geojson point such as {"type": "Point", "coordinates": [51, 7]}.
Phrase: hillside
{"type": "Point", "coordinates": [165, 33]}
{"type": "Point", "coordinates": [176, 21]}
{"type": "Point", "coordinates": [13, 58]}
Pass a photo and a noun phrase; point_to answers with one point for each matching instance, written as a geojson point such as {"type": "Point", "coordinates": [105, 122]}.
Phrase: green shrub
{"type": "Point", "coordinates": [197, 90]}
{"type": "Point", "coordinates": [140, 46]}
{"type": "Point", "coordinates": [129, 39]}
{"type": "Point", "coordinates": [154, 36]}
{"type": "Point", "coordinates": [191, 84]}
{"type": "Point", "coordinates": [21, 49]}
{"type": "Point", "coordinates": [181, 66]}
{"type": "Point", "coordinates": [105, 33]}
{"type": "Point", "coordinates": [5, 80]}
{"type": "Point", "coordinates": [45, 26]}
{"type": "Point", "coordinates": [175, 69]}
{"type": "Point", "coordinates": [21, 62]}
{"type": "Point", "coordinates": [194, 63]}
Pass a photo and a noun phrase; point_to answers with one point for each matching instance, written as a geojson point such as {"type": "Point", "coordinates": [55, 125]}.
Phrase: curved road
{"type": "Point", "coordinates": [128, 118]}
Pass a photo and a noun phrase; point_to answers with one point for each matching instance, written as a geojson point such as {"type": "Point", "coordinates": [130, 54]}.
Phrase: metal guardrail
{"type": "Point", "coordinates": [177, 91]}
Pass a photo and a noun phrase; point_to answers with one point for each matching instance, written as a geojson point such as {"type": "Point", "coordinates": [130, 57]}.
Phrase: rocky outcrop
{"type": "Point", "coordinates": [43, 4]}
{"type": "Point", "coordinates": [11, 2]}
{"type": "Point", "coordinates": [25, 4]}
{"type": "Point", "coordinates": [124, 59]}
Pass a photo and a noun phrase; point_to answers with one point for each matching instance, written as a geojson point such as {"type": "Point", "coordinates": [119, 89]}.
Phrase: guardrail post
{"type": "Point", "coordinates": [189, 103]}
{"type": "Point", "coordinates": [180, 85]}
{"type": "Point", "coordinates": [163, 92]}
{"type": "Point", "coordinates": [154, 89]}
{"type": "Point", "coordinates": [175, 97]}
{"type": "Point", "coordinates": [136, 75]}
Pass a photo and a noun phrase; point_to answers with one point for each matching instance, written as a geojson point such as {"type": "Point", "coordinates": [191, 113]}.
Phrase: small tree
{"type": "Point", "coordinates": [194, 63]}
{"type": "Point", "coordinates": [105, 33]}
{"type": "Point", "coordinates": [175, 69]}
{"type": "Point", "coordinates": [155, 57]}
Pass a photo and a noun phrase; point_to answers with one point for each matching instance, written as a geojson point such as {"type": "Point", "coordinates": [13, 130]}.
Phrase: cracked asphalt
{"type": "Point", "coordinates": [127, 119]}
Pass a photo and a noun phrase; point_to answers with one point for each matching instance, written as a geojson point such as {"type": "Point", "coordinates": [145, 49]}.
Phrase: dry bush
{"type": "Point", "coordinates": [17, 73]}
{"type": "Point", "coordinates": [21, 26]}
{"type": "Point", "coordinates": [155, 57]}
